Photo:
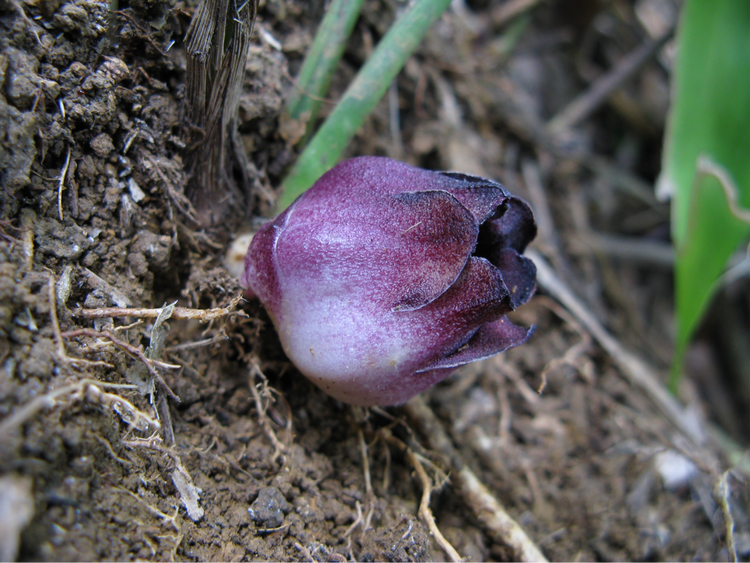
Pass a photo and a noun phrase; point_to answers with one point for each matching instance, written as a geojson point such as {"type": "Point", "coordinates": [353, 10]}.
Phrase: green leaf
{"type": "Point", "coordinates": [706, 161]}
{"type": "Point", "coordinates": [321, 61]}
{"type": "Point", "coordinates": [328, 144]}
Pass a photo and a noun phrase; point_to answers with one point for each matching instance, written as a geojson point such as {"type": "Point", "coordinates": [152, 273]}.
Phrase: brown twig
{"type": "Point", "coordinates": [542, 211]}
{"type": "Point", "coordinates": [636, 370]}
{"type": "Point", "coordinates": [180, 313]}
{"type": "Point", "coordinates": [588, 102]}
{"type": "Point", "coordinates": [511, 9]}
{"type": "Point", "coordinates": [639, 250]}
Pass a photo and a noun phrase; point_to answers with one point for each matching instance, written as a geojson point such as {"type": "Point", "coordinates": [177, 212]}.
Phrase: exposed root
{"type": "Point", "coordinates": [134, 352]}
{"type": "Point", "coordinates": [219, 337]}
{"type": "Point", "coordinates": [61, 185]}
{"type": "Point", "coordinates": [722, 493]}
{"type": "Point", "coordinates": [129, 414]}
{"type": "Point", "coordinates": [181, 479]}
{"type": "Point", "coordinates": [62, 357]}
{"type": "Point", "coordinates": [500, 526]}
{"type": "Point", "coordinates": [574, 356]}
{"type": "Point", "coordinates": [369, 493]}
{"type": "Point", "coordinates": [424, 506]}
{"type": "Point", "coordinates": [124, 462]}
{"type": "Point", "coordinates": [88, 389]}
{"type": "Point", "coordinates": [506, 416]}
{"type": "Point", "coordinates": [357, 521]}
{"type": "Point", "coordinates": [152, 442]}
{"type": "Point", "coordinates": [279, 448]}
{"type": "Point", "coordinates": [365, 464]}
{"type": "Point", "coordinates": [387, 468]}
{"type": "Point", "coordinates": [168, 519]}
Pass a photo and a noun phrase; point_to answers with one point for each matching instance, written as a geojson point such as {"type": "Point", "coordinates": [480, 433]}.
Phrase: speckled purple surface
{"type": "Point", "coordinates": [382, 278]}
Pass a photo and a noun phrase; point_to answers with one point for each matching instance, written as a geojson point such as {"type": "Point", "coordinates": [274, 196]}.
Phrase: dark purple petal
{"type": "Point", "coordinates": [416, 382]}
{"type": "Point", "coordinates": [512, 226]}
{"type": "Point", "coordinates": [261, 275]}
{"type": "Point", "coordinates": [478, 296]}
{"type": "Point", "coordinates": [479, 195]}
{"type": "Point", "coordinates": [519, 275]}
{"type": "Point", "coordinates": [430, 254]}
{"type": "Point", "coordinates": [489, 340]}
{"type": "Point", "coordinates": [399, 252]}
{"type": "Point", "coordinates": [367, 179]}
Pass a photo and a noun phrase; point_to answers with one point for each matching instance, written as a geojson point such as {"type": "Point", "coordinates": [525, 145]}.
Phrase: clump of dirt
{"type": "Point", "coordinates": [259, 464]}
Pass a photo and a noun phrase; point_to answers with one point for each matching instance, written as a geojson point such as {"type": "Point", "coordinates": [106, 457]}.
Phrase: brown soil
{"type": "Point", "coordinates": [94, 215]}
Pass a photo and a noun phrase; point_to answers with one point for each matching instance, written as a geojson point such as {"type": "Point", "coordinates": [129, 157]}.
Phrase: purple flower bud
{"type": "Point", "coordinates": [383, 278]}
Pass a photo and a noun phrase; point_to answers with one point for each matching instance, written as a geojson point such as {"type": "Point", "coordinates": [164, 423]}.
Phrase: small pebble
{"type": "Point", "coordinates": [102, 145]}
{"type": "Point", "coordinates": [269, 508]}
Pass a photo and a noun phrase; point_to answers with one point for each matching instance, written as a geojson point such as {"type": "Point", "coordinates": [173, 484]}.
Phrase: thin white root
{"type": "Point", "coordinates": [279, 448]}
{"type": "Point", "coordinates": [500, 526]}
{"type": "Point", "coordinates": [498, 523]}
{"type": "Point", "coordinates": [88, 389]}
{"type": "Point", "coordinates": [424, 505]}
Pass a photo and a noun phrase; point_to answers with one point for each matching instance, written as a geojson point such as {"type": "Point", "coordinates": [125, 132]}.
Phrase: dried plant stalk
{"type": "Point", "coordinates": [217, 44]}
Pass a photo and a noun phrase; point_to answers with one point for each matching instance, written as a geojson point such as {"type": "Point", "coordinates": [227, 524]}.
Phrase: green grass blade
{"type": "Point", "coordinates": [321, 60]}
{"type": "Point", "coordinates": [709, 119]}
{"type": "Point", "coordinates": [373, 79]}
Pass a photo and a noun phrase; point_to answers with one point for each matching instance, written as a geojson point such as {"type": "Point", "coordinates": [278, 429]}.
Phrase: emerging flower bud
{"type": "Point", "coordinates": [383, 278]}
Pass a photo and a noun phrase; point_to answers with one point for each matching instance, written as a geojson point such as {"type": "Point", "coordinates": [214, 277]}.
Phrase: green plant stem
{"type": "Point", "coordinates": [321, 60]}
{"type": "Point", "coordinates": [360, 98]}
